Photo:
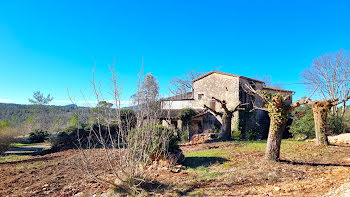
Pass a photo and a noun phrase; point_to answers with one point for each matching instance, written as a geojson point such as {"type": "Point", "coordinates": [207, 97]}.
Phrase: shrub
{"type": "Point", "coordinates": [183, 135]}
{"type": "Point", "coordinates": [236, 135]}
{"type": "Point", "coordinates": [163, 140]}
{"type": "Point", "coordinates": [81, 137]}
{"type": "Point", "coordinates": [7, 135]}
{"type": "Point", "coordinates": [38, 136]}
{"type": "Point", "coordinates": [128, 118]}
{"type": "Point", "coordinates": [303, 123]}
{"type": "Point", "coordinates": [185, 115]}
{"type": "Point", "coordinates": [251, 134]}
{"type": "Point", "coordinates": [335, 124]}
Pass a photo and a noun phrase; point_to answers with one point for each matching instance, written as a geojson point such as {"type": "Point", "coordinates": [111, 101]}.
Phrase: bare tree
{"type": "Point", "coordinates": [278, 107]}
{"type": "Point", "coordinates": [267, 79]}
{"type": "Point", "coordinates": [125, 151]}
{"type": "Point", "coordinates": [331, 74]}
{"type": "Point", "coordinates": [226, 117]}
{"type": "Point", "coordinates": [183, 84]}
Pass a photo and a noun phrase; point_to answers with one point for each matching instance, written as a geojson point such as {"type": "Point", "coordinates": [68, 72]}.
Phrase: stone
{"type": "Point", "coordinates": [277, 188]}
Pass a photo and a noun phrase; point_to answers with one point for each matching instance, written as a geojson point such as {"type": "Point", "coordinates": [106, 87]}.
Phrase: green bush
{"type": "Point", "coordinates": [154, 139]}
{"type": "Point", "coordinates": [38, 136]}
{"type": "Point", "coordinates": [83, 136]}
{"type": "Point", "coordinates": [128, 118]}
{"type": "Point", "coordinates": [236, 135]}
{"type": "Point", "coordinates": [251, 135]}
{"type": "Point", "coordinates": [303, 123]}
{"type": "Point", "coordinates": [186, 115]}
{"type": "Point", "coordinates": [335, 124]}
{"type": "Point", "coordinates": [183, 135]}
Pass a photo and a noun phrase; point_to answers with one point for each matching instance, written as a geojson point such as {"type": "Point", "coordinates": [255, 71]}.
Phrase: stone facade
{"type": "Point", "coordinates": [228, 87]}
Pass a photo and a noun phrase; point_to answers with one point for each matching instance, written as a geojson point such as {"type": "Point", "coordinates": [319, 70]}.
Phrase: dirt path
{"type": "Point", "coordinates": [28, 149]}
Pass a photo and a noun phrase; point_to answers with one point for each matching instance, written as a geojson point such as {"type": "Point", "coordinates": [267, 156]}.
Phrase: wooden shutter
{"type": "Point", "coordinates": [212, 104]}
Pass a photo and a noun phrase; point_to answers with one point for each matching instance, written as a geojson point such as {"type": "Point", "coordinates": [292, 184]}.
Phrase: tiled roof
{"type": "Point", "coordinates": [276, 89]}
{"type": "Point", "coordinates": [228, 74]}
{"type": "Point", "coordinates": [186, 96]}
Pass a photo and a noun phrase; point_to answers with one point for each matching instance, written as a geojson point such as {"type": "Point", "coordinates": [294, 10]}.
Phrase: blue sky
{"type": "Point", "coordinates": [52, 46]}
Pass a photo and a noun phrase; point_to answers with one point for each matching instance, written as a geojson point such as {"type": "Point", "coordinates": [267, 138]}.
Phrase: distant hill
{"type": "Point", "coordinates": [71, 105]}
{"type": "Point", "coordinates": [49, 116]}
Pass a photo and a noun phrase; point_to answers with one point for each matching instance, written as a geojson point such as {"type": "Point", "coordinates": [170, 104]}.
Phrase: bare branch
{"type": "Point", "coordinates": [183, 84]}
{"type": "Point", "coordinates": [213, 111]}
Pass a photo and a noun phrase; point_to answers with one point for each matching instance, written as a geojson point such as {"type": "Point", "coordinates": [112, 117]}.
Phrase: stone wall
{"type": "Point", "coordinates": [251, 123]}
{"type": "Point", "coordinates": [216, 85]}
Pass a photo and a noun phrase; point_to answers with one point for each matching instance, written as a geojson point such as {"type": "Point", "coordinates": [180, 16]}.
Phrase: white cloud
{"type": "Point", "coordinates": [3, 100]}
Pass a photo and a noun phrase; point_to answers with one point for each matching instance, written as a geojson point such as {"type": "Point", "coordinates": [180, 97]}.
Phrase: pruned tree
{"type": "Point", "coordinates": [226, 117]}
{"type": "Point", "coordinates": [320, 110]}
{"type": "Point", "coordinates": [278, 107]}
{"type": "Point", "coordinates": [183, 84]}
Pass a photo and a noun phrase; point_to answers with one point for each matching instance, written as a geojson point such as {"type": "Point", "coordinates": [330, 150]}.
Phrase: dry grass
{"type": "Point", "coordinates": [239, 168]}
{"type": "Point", "coordinates": [213, 169]}
{"type": "Point", "coordinates": [6, 138]}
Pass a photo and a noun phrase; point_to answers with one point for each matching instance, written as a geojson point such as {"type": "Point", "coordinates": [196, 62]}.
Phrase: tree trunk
{"type": "Point", "coordinates": [274, 139]}
{"type": "Point", "coordinates": [320, 118]}
{"type": "Point", "coordinates": [225, 133]}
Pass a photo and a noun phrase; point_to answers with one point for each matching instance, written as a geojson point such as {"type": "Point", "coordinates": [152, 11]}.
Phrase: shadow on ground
{"type": "Point", "coordinates": [194, 162]}
{"type": "Point", "coordinates": [313, 164]}
{"type": "Point", "coordinates": [23, 150]}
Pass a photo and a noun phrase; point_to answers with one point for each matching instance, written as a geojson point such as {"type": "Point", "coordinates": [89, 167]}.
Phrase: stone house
{"type": "Point", "coordinates": [223, 86]}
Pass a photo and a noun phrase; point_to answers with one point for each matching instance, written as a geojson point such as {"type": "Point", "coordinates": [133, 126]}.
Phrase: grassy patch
{"type": "Point", "coordinates": [208, 153]}
{"type": "Point", "coordinates": [215, 163]}
{"type": "Point", "coordinates": [27, 144]}
{"type": "Point", "coordinates": [251, 146]}
{"type": "Point", "coordinates": [205, 173]}
{"type": "Point", "coordinates": [30, 165]}
{"type": "Point", "coordinates": [261, 145]}
{"type": "Point", "coordinates": [9, 158]}
{"type": "Point", "coordinates": [196, 193]}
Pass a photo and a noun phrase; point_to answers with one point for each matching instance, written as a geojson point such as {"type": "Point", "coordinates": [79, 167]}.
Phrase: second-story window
{"type": "Point", "coordinates": [200, 96]}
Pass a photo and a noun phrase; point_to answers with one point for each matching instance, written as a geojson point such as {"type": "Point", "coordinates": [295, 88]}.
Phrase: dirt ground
{"type": "Point", "coordinates": [213, 169]}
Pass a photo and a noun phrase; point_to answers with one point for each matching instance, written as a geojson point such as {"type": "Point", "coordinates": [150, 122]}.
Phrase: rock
{"type": "Point", "coordinates": [80, 194]}
{"type": "Point", "coordinates": [340, 139]}
{"type": "Point", "coordinates": [177, 168]}
{"type": "Point", "coordinates": [277, 189]}
{"type": "Point", "coordinates": [200, 138]}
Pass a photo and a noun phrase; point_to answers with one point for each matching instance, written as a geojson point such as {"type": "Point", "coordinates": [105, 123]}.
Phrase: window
{"type": "Point", "coordinates": [200, 96]}
{"type": "Point", "coordinates": [212, 104]}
